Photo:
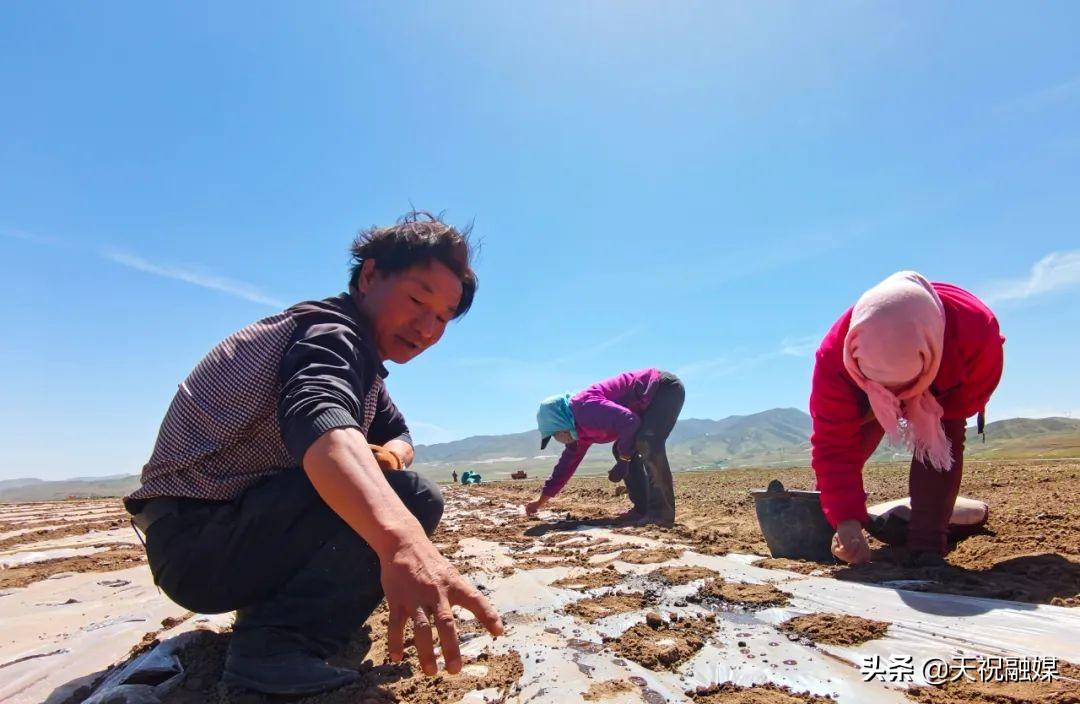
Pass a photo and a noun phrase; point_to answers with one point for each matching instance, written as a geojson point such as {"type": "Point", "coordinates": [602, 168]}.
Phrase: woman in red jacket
{"type": "Point", "coordinates": [911, 360]}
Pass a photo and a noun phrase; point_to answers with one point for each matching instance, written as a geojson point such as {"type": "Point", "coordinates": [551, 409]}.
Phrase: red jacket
{"type": "Point", "coordinates": [845, 432]}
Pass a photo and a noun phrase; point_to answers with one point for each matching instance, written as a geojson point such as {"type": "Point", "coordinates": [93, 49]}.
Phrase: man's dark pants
{"type": "Point", "coordinates": [297, 575]}
{"type": "Point", "coordinates": [648, 479]}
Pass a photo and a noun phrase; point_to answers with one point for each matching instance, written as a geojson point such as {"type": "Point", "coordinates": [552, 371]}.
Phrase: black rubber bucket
{"type": "Point", "coordinates": [793, 523]}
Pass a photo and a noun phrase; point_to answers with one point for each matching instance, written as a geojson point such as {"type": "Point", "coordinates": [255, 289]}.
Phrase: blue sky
{"type": "Point", "coordinates": [702, 187]}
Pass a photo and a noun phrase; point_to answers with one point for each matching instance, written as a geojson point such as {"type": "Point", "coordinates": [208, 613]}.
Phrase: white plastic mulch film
{"type": "Point", "coordinates": [562, 654]}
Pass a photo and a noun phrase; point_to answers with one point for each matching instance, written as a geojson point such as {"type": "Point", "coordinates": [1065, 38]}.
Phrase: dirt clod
{"type": "Point", "coordinates": [589, 580]}
{"type": "Point", "coordinates": [665, 647]}
{"type": "Point", "coordinates": [648, 556]}
{"type": "Point", "coordinates": [966, 692]}
{"type": "Point", "coordinates": [755, 596]}
{"type": "Point", "coordinates": [682, 574]}
{"type": "Point", "coordinates": [598, 691]}
{"type": "Point", "coordinates": [600, 607]}
{"type": "Point", "coordinates": [835, 629]}
{"type": "Point", "coordinates": [729, 693]}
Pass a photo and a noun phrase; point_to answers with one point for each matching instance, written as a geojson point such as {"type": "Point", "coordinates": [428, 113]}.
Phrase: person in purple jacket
{"type": "Point", "coordinates": [635, 410]}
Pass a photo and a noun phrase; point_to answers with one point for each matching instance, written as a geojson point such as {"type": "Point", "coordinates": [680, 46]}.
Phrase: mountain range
{"type": "Point", "coordinates": [777, 437]}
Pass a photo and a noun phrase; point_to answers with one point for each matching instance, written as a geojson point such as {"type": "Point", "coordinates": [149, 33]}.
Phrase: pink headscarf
{"type": "Point", "coordinates": [894, 341]}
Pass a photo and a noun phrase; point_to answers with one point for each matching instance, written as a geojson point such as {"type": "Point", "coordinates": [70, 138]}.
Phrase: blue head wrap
{"type": "Point", "coordinates": [555, 415]}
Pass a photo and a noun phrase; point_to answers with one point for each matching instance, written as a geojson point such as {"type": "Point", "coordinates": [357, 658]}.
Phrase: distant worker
{"type": "Point", "coordinates": [634, 410]}
{"type": "Point", "coordinates": [454, 474]}
{"type": "Point", "coordinates": [911, 360]}
{"type": "Point", "coordinates": [265, 496]}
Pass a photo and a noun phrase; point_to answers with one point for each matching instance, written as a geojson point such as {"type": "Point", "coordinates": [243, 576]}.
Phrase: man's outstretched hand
{"type": "Point", "coordinates": [420, 584]}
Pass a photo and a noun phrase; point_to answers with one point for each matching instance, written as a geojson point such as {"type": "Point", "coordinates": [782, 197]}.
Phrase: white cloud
{"type": "Point", "coordinates": [597, 348]}
{"type": "Point", "coordinates": [1043, 98]}
{"type": "Point", "coordinates": [31, 237]}
{"type": "Point", "coordinates": [203, 278]}
{"type": "Point", "coordinates": [540, 376]}
{"type": "Point", "coordinates": [237, 289]}
{"type": "Point", "coordinates": [1056, 270]}
{"type": "Point", "coordinates": [716, 367]}
{"type": "Point", "coordinates": [802, 346]}
{"type": "Point", "coordinates": [424, 433]}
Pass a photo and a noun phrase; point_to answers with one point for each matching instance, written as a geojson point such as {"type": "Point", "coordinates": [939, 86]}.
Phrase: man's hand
{"type": "Point", "coordinates": [403, 450]}
{"type": "Point", "coordinates": [418, 581]}
{"type": "Point", "coordinates": [387, 460]}
{"type": "Point", "coordinates": [533, 507]}
{"type": "Point", "coordinates": [849, 544]}
{"type": "Point", "coordinates": [421, 585]}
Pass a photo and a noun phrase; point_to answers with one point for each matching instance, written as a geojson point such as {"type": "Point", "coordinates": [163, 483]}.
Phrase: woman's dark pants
{"type": "Point", "coordinates": [648, 479]}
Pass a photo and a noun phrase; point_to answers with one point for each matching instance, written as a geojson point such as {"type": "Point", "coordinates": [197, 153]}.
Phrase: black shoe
{"type": "Point", "coordinates": [926, 558]}
{"type": "Point", "coordinates": [891, 530]}
{"type": "Point", "coordinates": [289, 673]}
{"type": "Point", "coordinates": [655, 519]}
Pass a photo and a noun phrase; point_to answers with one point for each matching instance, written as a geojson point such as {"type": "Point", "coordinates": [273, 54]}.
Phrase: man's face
{"type": "Point", "coordinates": [408, 309]}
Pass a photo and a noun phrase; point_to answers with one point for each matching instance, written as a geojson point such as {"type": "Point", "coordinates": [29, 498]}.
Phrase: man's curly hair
{"type": "Point", "coordinates": [418, 237]}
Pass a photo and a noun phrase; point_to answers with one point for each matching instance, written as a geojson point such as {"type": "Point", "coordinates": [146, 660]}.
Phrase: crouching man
{"type": "Point", "coordinates": [264, 496]}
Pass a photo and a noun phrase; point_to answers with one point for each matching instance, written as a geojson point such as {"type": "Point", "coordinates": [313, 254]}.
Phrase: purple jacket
{"type": "Point", "coordinates": [609, 410]}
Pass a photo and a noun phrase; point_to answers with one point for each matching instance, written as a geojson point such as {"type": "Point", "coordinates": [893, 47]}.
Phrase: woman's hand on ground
{"type": "Point", "coordinates": [421, 585]}
{"type": "Point", "coordinates": [533, 507]}
{"type": "Point", "coordinates": [849, 543]}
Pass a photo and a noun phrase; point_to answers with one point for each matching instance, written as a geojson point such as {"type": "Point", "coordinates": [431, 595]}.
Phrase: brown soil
{"type": "Point", "coordinates": [835, 629]}
{"type": "Point", "coordinates": [663, 646]}
{"type": "Point", "coordinates": [648, 556]}
{"type": "Point", "coordinates": [755, 596]}
{"type": "Point", "coordinates": [783, 563]}
{"type": "Point", "coordinates": [151, 639]}
{"type": "Point", "coordinates": [120, 557]}
{"type": "Point", "coordinates": [590, 580]}
{"type": "Point", "coordinates": [390, 683]}
{"type": "Point", "coordinates": [729, 693]}
{"type": "Point", "coordinates": [1035, 578]}
{"type": "Point", "coordinates": [525, 565]}
{"type": "Point", "coordinates": [379, 683]}
{"type": "Point", "coordinates": [1029, 552]}
{"type": "Point", "coordinates": [1061, 691]}
{"type": "Point", "coordinates": [682, 575]}
{"type": "Point", "coordinates": [599, 691]}
{"type": "Point", "coordinates": [61, 532]}
{"type": "Point", "coordinates": [600, 607]}
{"type": "Point", "coordinates": [568, 556]}
{"type": "Point", "coordinates": [509, 533]}
{"type": "Point", "coordinates": [572, 553]}
{"type": "Point", "coordinates": [448, 544]}
{"type": "Point", "coordinates": [580, 539]}
{"type": "Point", "coordinates": [469, 626]}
